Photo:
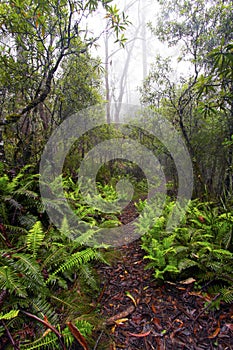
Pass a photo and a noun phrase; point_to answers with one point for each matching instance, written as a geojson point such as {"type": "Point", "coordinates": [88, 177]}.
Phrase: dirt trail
{"type": "Point", "coordinates": [141, 314]}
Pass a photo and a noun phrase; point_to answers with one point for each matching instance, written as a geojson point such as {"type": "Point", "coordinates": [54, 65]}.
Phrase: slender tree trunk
{"type": "Point", "coordinates": [107, 88]}
{"type": "Point", "coordinates": [144, 46]}
{"type": "Point", "coordinates": [2, 151]}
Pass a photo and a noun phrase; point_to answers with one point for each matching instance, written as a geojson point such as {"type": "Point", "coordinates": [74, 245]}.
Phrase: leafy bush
{"type": "Point", "coordinates": [45, 277]}
{"type": "Point", "coordinates": [201, 245]}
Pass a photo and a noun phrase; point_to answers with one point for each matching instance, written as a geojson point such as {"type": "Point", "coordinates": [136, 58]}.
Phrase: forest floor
{"type": "Point", "coordinates": [140, 313]}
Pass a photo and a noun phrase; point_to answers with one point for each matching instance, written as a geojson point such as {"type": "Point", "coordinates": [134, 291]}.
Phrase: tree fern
{"type": "Point", "coordinates": [35, 238]}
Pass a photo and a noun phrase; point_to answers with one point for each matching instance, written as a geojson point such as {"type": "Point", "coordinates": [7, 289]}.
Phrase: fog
{"type": "Point", "coordinates": [126, 68]}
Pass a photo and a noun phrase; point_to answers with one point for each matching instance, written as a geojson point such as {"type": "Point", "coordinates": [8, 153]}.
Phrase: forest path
{"type": "Point", "coordinates": [141, 314]}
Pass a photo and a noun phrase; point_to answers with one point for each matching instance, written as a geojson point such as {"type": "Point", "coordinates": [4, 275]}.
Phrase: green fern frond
{"type": "Point", "coordinates": [4, 180]}
{"type": "Point", "coordinates": [227, 294]}
{"type": "Point", "coordinates": [28, 266]}
{"type": "Point", "coordinates": [9, 280]}
{"type": "Point", "coordinates": [58, 253]}
{"type": "Point", "coordinates": [27, 220]}
{"type": "Point", "coordinates": [4, 213]}
{"type": "Point", "coordinates": [86, 237]}
{"type": "Point", "coordinates": [186, 264]}
{"type": "Point", "coordinates": [228, 238]}
{"type": "Point", "coordinates": [48, 342]}
{"type": "Point", "coordinates": [86, 274]}
{"type": "Point", "coordinates": [44, 307]}
{"type": "Point", "coordinates": [70, 306]}
{"type": "Point", "coordinates": [35, 238]}
{"type": "Point", "coordinates": [14, 203]}
{"type": "Point", "coordinates": [16, 229]}
{"type": "Point", "coordinates": [222, 253]}
{"type": "Point", "coordinates": [16, 181]}
{"type": "Point", "coordinates": [76, 259]}
{"type": "Point", "coordinates": [9, 315]}
{"type": "Point", "coordinates": [84, 327]}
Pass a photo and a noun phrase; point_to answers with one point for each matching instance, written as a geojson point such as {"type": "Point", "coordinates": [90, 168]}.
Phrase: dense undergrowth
{"type": "Point", "coordinates": [48, 280]}
{"type": "Point", "coordinates": [200, 247]}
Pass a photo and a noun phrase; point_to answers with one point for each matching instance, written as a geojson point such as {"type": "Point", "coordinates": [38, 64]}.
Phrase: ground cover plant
{"type": "Point", "coordinates": [201, 247]}
{"type": "Point", "coordinates": [47, 280]}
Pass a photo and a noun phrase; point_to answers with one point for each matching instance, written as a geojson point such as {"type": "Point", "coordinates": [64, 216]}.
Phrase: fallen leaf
{"type": "Point", "coordinates": [153, 308]}
{"type": "Point", "coordinates": [216, 332]}
{"type": "Point", "coordinates": [121, 320]}
{"type": "Point", "coordinates": [122, 314]}
{"type": "Point", "coordinates": [180, 322]}
{"type": "Point", "coordinates": [188, 281]}
{"type": "Point", "coordinates": [46, 332]}
{"type": "Point", "coordinates": [78, 336]}
{"type": "Point", "coordinates": [156, 321]}
{"type": "Point", "coordinates": [214, 335]}
{"type": "Point", "coordinates": [46, 319]}
{"type": "Point", "coordinates": [129, 295]}
{"type": "Point", "coordinates": [140, 335]}
{"type": "Point", "coordinates": [113, 346]}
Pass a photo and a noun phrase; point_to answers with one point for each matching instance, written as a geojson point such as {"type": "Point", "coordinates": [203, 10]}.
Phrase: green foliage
{"type": "Point", "coordinates": [35, 238]}
{"type": "Point", "coordinates": [198, 102]}
{"type": "Point", "coordinates": [75, 260]}
{"type": "Point", "coordinates": [202, 245]}
{"type": "Point", "coordinates": [8, 316]}
{"type": "Point", "coordinates": [41, 268]}
{"type": "Point", "coordinates": [49, 341]}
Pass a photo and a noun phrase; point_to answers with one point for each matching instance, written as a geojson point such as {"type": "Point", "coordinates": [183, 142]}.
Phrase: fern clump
{"type": "Point", "coordinates": [201, 245]}
{"type": "Point", "coordinates": [42, 268]}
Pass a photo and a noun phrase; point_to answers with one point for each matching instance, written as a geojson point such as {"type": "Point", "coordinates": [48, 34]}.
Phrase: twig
{"type": "Point", "coordinates": [207, 307]}
{"type": "Point", "coordinates": [152, 347]}
{"type": "Point", "coordinates": [47, 325]}
{"type": "Point", "coordinates": [15, 346]}
{"type": "Point", "coordinates": [123, 314]}
{"type": "Point", "coordinates": [98, 340]}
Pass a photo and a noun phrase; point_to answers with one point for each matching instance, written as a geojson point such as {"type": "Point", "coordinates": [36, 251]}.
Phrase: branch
{"type": "Point", "coordinates": [47, 325]}
{"type": "Point", "coordinates": [10, 336]}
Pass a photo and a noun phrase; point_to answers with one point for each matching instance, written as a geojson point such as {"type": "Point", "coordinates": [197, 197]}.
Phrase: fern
{"type": "Point", "coordinates": [75, 259]}
{"type": "Point", "coordinates": [35, 238]}
{"type": "Point", "coordinates": [48, 342]}
{"type": "Point", "coordinates": [200, 242]}
{"type": "Point", "coordinates": [43, 306]}
{"type": "Point", "coordinates": [29, 267]}
{"type": "Point", "coordinates": [16, 229]}
{"type": "Point", "coordinates": [9, 315]}
{"type": "Point", "coordinates": [9, 280]}
{"type": "Point", "coordinates": [85, 237]}
{"type": "Point", "coordinates": [85, 274]}
{"type": "Point", "coordinates": [227, 294]}
{"type": "Point", "coordinates": [35, 259]}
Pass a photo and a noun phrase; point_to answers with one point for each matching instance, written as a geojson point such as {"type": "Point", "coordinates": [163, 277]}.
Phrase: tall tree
{"type": "Point", "coordinates": [35, 39]}
{"type": "Point", "coordinates": [200, 27]}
